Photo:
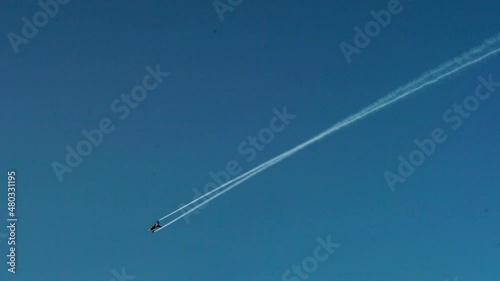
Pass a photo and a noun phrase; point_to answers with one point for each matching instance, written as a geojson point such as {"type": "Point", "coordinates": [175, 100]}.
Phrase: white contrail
{"type": "Point", "coordinates": [488, 48]}
{"type": "Point", "coordinates": [237, 179]}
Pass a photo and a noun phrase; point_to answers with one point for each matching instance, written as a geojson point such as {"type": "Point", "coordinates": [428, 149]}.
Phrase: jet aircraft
{"type": "Point", "coordinates": [155, 227]}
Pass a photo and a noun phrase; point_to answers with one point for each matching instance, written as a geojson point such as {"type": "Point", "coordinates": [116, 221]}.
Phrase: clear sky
{"type": "Point", "coordinates": [228, 77]}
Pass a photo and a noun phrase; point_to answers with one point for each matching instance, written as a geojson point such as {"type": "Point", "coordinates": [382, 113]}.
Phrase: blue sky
{"type": "Point", "coordinates": [226, 77]}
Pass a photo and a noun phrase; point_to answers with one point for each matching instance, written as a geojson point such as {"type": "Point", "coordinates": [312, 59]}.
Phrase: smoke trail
{"type": "Point", "coordinates": [234, 182]}
{"type": "Point", "coordinates": [237, 179]}
{"type": "Point", "coordinates": [487, 49]}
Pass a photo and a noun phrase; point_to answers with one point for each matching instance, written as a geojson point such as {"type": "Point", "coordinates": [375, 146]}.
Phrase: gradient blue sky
{"type": "Point", "coordinates": [226, 78]}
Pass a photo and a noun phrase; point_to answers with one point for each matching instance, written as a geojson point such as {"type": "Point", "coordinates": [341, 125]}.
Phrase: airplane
{"type": "Point", "coordinates": [155, 226]}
